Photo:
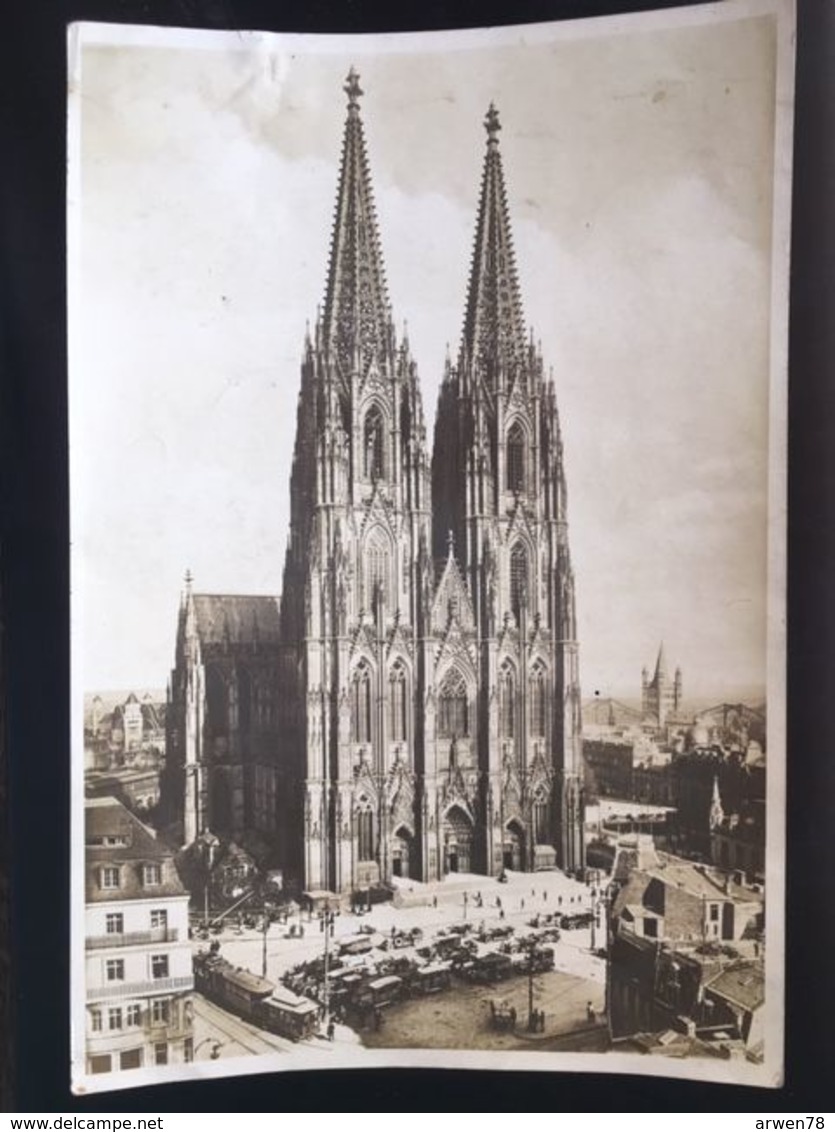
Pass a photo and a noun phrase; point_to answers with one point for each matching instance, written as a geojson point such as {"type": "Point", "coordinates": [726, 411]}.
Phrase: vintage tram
{"type": "Point", "coordinates": [255, 999]}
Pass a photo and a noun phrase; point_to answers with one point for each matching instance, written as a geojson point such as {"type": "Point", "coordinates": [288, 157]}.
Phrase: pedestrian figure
{"type": "Point", "coordinates": [544, 895]}
{"type": "Point", "coordinates": [501, 913]}
{"type": "Point", "coordinates": [590, 1012]}
{"type": "Point", "coordinates": [331, 1030]}
{"type": "Point", "coordinates": [522, 904]}
{"type": "Point", "coordinates": [498, 901]}
{"type": "Point", "coordinates": [533, 892]}
{"type": "Point", "coordinates": [542, 1021]}
{"type": "Point", "coordinates": [434, 901]}
{"type": "Point", "coordinates": [559, 901]}
{"type": "Point", "coordinates": [301, 930]}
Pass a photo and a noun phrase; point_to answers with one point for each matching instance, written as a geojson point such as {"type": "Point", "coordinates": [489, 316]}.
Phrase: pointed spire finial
{"type": "Point", "coordinates": [356, 280]}
{"type": "Point", "coordinates": [188, 579]}
{"type": "Point", "coordinates": [492, 124]}
{"type": "Point", "coordinates": [450, 542]}
{"type": "Point", "coordinates": [353, 89]}
{"type": "Point", "coordinates": [494, 333]}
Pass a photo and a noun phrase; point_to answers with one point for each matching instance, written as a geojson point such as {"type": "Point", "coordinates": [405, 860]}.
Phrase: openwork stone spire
{"type": "Point", "coordinates": [355, 321]}
{"type": "Point", "coordinates": [494, 332]}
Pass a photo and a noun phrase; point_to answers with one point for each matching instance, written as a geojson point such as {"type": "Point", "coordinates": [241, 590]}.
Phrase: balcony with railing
{"type": "Point", "coordinates": [115, 989]}
{"type": "Point", "coordinates": [128, 939]}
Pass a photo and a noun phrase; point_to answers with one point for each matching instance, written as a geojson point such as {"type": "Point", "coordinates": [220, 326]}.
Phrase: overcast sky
{"type": "Point", "coordinates": [639, 170]}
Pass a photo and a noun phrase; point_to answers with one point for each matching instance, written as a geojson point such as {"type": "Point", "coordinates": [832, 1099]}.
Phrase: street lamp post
{"type": "Point", "coordinates": [531, 949]}
{"type": "Point", "coordinates": [595, 907]}
{"type": "Point", "coordinates": [327, 925]}
{"type": "Point", "coordinates": [607, 913]}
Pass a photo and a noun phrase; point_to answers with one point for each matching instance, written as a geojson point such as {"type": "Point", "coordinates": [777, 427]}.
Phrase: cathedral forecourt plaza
{"type": "Point", "coordinates": [409, 711]}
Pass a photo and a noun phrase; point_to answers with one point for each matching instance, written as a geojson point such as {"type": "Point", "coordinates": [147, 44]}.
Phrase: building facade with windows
{"type": "Point", "coordinates": [429, 681]}
{"type": "Point", "coordinates": [137, 954]}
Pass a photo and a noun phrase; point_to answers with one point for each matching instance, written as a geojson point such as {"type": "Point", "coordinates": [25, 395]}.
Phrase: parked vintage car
{"type": "Point", "coordinates": [574, 920]}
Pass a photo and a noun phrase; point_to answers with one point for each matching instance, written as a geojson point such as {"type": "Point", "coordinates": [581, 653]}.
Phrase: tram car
{"type": "Point", "coordinates": [291, 1015]}
{"type": "Point", "coordinates": [490, 967]}
{"type": "Point", "coordinates": [432, 979]}
{"type": "Point", "coordinates": [254, 998]}
{"type": "Point", "coordinates": [380, 993]}
{"type": "Point", "coordinates": [234, 988]}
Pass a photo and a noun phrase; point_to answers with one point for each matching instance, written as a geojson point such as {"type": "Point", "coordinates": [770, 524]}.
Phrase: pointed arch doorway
{"type": "Point", "coordinates": [458, 841]}
{"type": "Point", "coordinates": [401, 844]}
{"type": "Point", "coordinates": [513, 847]}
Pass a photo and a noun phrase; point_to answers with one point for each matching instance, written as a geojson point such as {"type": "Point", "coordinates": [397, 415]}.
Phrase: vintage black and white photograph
{"type": "Point", "coordinates": [427, 460]}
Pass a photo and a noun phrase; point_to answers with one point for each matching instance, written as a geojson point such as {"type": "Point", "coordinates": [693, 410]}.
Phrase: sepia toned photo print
{"type": "Point", "coordinates": [427, 430]}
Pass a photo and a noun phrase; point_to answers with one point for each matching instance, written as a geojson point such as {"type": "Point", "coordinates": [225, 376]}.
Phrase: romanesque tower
{"type": "Point", "coordinates": [661, 697]}
{"type": "Point", "coordinates": [500, 523]}
{"type": "Point", "coordinates": [358, 568]}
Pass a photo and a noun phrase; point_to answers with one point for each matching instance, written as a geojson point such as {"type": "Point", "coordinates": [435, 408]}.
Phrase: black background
{"type": "Point", "coordinates": [35, 577]}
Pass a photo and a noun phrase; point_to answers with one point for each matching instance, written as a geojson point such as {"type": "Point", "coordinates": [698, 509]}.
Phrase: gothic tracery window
{"type": "Point", "coordinates": [373, 444]}
{"type": "Point", "coordinates": [507, 703]}
{"type": "Point", "coordinates": [518, 579]}
{"type": "Point", "coordinates": [453, 714]}
{"type": "Point", "coordinates": [365, 832]}
{"type": "Point", "coordinates": [540, 821]}
{"type": "Point", "coordinates": [397, 701]}
{"type": "Point", "coordinates": [537, 714]}
{"type": "Point", "coordinates": [377, 570]}
{"type": "Point", "coordinates": [515, 458]}
{"type": "Point", "coordinates": [361, 705]}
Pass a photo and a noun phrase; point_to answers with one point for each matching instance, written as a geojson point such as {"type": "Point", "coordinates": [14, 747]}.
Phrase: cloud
{"type": "Point", "coordinates": [208, 190]}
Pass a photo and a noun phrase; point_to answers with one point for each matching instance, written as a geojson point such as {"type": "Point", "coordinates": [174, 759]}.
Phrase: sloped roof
{"type": "Point", "coordinates": [742, 985]}
{"type": "Point", "coordinates": [241, 619]}
{"type": "Point", "coordinates": [107, 817]}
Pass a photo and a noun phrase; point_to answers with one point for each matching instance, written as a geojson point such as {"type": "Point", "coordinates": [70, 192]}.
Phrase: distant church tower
{"type": "Point", "coordinates": [660, 697]}
{"type": "Point", "coordinates": [357, 575]}
{"type": "Point", "coordinates": [499, 487]}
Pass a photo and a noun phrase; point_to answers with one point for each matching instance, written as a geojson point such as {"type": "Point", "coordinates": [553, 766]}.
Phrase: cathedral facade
{"type": "Point", "coordinates": [429, 677]}
{"type": "Point", "coordinates": [426, 696]}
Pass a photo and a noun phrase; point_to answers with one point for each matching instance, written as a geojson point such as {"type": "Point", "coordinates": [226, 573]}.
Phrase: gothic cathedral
{"type": "Point", "coordinates": [429, 676]}
{"type": "Point", "coordinates": [427, 715]}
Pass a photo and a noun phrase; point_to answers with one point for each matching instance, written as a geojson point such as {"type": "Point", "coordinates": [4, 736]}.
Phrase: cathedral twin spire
{"type": "Point", "coordinates": [356, 321]}
{"type": "Point", "coordinates": [494, 330]}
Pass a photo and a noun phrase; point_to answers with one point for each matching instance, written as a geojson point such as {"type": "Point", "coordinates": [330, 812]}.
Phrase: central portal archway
{"type": "Point", "coordinates": [458, 841]}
